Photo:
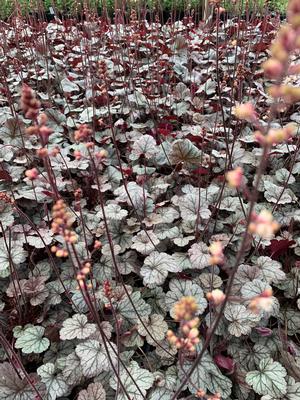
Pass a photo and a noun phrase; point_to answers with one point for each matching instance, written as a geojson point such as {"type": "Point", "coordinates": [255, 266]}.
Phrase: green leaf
{"type": "Point", "coordinates": [207, 376]}
{"type": "Point", "coordinates": [156, 326]}
{"type": "Point", "coordinates": [137, 194]}
{"type": "Point", "coordinates": [31, 340]}
{"type": "Point", "coordinates": [72, 371]}
{"type": "Point", "coordinates": [11, 386]}
{"type": "Point", "coordinates": [37, 242]}
{"type": "Point", "coordinates": [145, 145]}
{"type": "Point", "coordinates": [209, 281]}
{"type": "Point", "coordinates": [293, 391]}
{"type": "Point", "coordinates": [69, 86]}
{"type": "Point", "coordinates": [283, 175]}
{"type": "Point", "coordinates": [209, 87]}
{"type": "Point", "coordinates": [290, 319]}
{"type": "Point", "coordinates": [93, 358]}
{"type": "Point", "coordinates": [156, 267]}
{"type": "Point", "coordinates": [180, 108]}
{"type": "Point", "coordinates": [6, 214]}
{"type": "Point", "coordinates": [55, 383]}
{"type": "Point", "coordinates": [127, 311]}
{"type": "Point", "coordinates": [139, 376]}
{"type": "Point", "coordinates": [145, 243]}
{"type": "Point", "coordinates": [165, 231]}
{"type": "Point", "coordinates": [271, 269]}
{"type": "Point", "coordinates": [183, 151]}
{"type": "Point", "coordinates": [161, 394]}
{"type": "Point", "coordinates": [115, 212]}
{"type": "Point", "coordinates": [13, 250]}
{"type": "Point", "coordinates": [278, 194]}
{"type": "Point", "coordinates": [268, 379]}
{"type": "Point", "coordinates": [192, 205]}
{"type": "Point", "coordinates": [199, 255]}
{"type": "Point", "coordinates": [241, 319]}
{"type": "Point", "coordinates": [76, 327]}
{"type": "Point", "coordinates": [94, 391]}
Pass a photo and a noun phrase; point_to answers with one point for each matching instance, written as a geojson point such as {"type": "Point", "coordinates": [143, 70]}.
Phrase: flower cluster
{"type": "Point", "coordinates": [29, 103]}
{"type": "Point", "coordinates": [184, 312]}
{"type": "Point", "coordinates": [108, 292]}
{"type": "Point", "coordinates": [83, 133]}
{"type": "Point", "coordinates": [97, 245]}
{"type": "Point", "coordinates": [202, 395]}
{"type": "Point", "coordinates": [107, 289]}
{"type": "Point", "coordinates": [277, 66]}
{"type": "Point", "coordinates": [235, 177]}
{"type": "Point", "coordinates": [32, 174]}
{"type": "Point", "coordinates": [217, 255]}
{"type": "Point", "coordinates": [263, 302]}
{"type": "Point", "coordinates": [245, 112]}
{"type": "Point", "coordinates": [263, 224]}
{"type": "Point", "coordinates": [61, 224]}
{"type": "Point", "coordinates": [81, 276]}
{"type": "Point", "coordinates": [42, 131]}
{"type": "Point", "coordinates": [185, 308]}
{"type": "Point", "coordinates": [276, 136]}
{"type": "Point", "coordinates": [216, 296]}
{"type": "Point", "coordinates": [5, 198]}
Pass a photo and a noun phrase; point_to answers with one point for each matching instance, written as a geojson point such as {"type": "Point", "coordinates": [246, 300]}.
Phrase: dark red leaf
{"type": "Point", "coordinates": [264, 331]}
{"type": "Point", "coordinates": [201, 171]}
{"type": "Point", "coordinates": [5, 176]}
{"type": "Point", "coordinates": [279, 247]}
{"type": "Point", "coordinates": [48, 193]}
{"type": "Point", "coordinates": [224, 362]}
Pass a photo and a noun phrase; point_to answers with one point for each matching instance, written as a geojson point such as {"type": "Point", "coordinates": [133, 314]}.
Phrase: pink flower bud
{"type": "Point", "coordinates": [246, 112]}
{"type": "Point", "coordinates": [216, 251]}
{"type": "Point", "coordinates": [287, 36]}
{"type": "Point", "coordinates": [263, 224]}
{"type": "Point", "coordinates": [45, 132]}
{"type": "Point", "coordinates": [32, 173]}
{"type": "Point", "coordinates": [273, 68]}
{"type": "Point", "coordinates": [294, 13]}
{"type": "Point", "coordinates": [216, 296]}
{"type": "Point", "coordinates": [193, 333]}
{"type": "Point", "coordinates": [235, 177]}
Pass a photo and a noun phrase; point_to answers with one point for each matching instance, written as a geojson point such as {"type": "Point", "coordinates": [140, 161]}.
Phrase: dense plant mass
{"type": "Point", "coordinates": [9, 7]}
{"type": "Point", "coordinates": [149, 209]}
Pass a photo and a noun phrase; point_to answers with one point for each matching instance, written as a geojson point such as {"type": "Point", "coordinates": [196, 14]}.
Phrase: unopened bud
{"type": "Point", "coordinates": [32, 173]}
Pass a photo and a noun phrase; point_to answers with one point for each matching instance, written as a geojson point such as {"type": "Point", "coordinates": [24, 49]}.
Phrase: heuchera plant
{"type": "Point", "coordinates": [149, 208]}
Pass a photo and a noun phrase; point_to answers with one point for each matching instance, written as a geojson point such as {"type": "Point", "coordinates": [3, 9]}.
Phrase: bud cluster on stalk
{"type": "Point", "coordinates": [277, 68]}
{"type": "Point", "coordinates": [216, 252]}
{"type": "Point", "coordinates": [81, 276]}
{"type": "Point", "coordinates": [263, 224]}
{"type": "Point", "coordinates": [41, 130]}
{"type": "Point", "coordinates": [184, 312]}
{"type": "Point", "coordinates": [263, 302]}
{"type": "Point", "coordinates": [84, 134]}
{"type": "Point", "coordinates": [202, 395]}
{"type": "Point", "coordinates": [6, 198]}
{"type": "Point", "coordinates": [29, 103]}
{"type": "Point", "coordinates": [62, 225]}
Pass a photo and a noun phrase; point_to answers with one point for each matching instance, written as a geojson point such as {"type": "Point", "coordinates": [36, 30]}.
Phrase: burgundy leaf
{"type": "Point", "coordinates": [279, 247]}
{"type": "Point", "coordinates": [5, 176]}
{"type": "Point", "coordinates": [224, 362]}
{"type": "Point", "coordinates": [264, 331]}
